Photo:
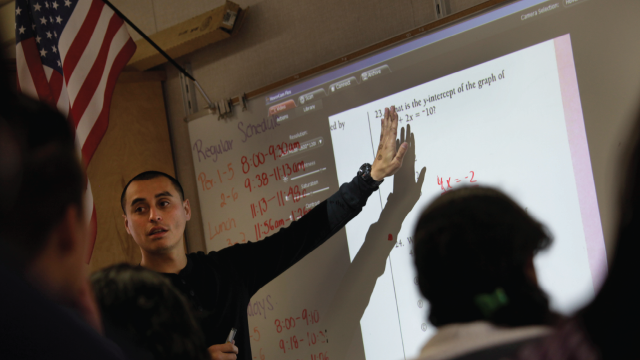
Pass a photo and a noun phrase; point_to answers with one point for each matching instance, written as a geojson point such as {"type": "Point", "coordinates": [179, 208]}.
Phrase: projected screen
{"type": "Point", "coordinates": [499, 99]}
{"type": "Point", "coordinates": [513, 123]}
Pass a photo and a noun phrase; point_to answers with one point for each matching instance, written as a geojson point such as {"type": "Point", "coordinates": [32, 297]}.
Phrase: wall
{"type": "Point", "coordinates": [279, 38]}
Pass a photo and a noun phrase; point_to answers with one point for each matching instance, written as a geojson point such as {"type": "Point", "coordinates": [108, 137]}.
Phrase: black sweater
{"type": "Point", "coordinates": [220, 284]}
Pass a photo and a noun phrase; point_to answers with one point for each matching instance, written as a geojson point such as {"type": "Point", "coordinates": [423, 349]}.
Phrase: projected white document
{"type": "Point", "coordinates": [514, 123]}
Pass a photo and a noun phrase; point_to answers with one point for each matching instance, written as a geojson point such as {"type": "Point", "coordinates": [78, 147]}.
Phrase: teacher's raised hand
{"type": "Point", "coordinates": [389, 156]}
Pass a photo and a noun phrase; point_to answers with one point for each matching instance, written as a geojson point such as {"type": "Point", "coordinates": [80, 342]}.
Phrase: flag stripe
{"type": "Point", "coordinates": [99, 129]}
{"type": "Point", "coordinates": [76, 49]}
{"type": "Point", "coordinates": [34, 69]}
{"type": "Point", "coordinates": [73, 27]}
{"type": "Point", "coordinates": [25, 82]}
{"type": "Point", "coordinates": [88, 119]}
{"type": "Point", "coordinates": [94, 79]}
{"type": "Point", "coordinates": [88, 200]}
{"type": "Point", "coordinates": [47, 72]}
{"type": "Point", "coordinates": [55, 84]}
{"type": "Point", "coordinates": [78, 80]}
{"type": "Point", "coordinates": [63, 100]}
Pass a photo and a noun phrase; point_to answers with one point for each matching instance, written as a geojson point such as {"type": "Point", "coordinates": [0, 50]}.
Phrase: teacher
{"type": "Point", "coordinates": [220, 284]}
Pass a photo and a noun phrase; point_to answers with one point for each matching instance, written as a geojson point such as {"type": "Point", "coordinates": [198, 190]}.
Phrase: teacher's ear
{"type": "Point", "coordinates": [187, 209]}
{"type": "Point", "coordinates": [126, 223]}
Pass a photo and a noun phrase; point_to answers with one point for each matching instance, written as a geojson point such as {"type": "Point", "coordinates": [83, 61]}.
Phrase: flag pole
{"type": "Point", "coordinates": [169, 58]}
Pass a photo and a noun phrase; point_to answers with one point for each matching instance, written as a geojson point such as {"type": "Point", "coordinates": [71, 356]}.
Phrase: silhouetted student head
{"type": "Point", "coordinates": [10, 167]}
{"type": "Point", "coordinates": [44, 230]}
{"type": "Point", "coordinates": [144, 306]}
{"type": "Point", "coordinates": [611, 319]}
{"type": "Point", "coordinates": [474, 250]}
{"type": "Point", "coordinates": [10, 147]}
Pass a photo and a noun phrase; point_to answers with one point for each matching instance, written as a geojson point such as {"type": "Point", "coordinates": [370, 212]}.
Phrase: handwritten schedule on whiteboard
{"type": "Point", "coordinates": [259, 178]}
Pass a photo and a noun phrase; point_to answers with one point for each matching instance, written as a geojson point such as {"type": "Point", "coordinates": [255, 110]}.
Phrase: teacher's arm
{"type": "Point", "coordinates": [257, 263]}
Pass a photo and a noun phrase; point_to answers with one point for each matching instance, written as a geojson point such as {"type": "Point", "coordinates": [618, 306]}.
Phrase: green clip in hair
{"type": "Point", "coordinates": [490, 303]}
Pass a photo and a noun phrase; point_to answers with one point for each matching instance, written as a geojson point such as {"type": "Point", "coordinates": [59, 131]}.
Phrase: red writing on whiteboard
{"type": "Point", "coordinates": [295, 194]}
{"type": "Point", "coordinates": [279, 173]}
{"type": "Point", "coordinates": [295, 342]}
{"type": "Point", "coordinates": [259, 158]}
{"type": "Point", "coordinates": [447, 184]}
{"type": "Point", "coordinates": [288, 169]}
{"type": "Point", "coordinates": [242, 240]}
{"type": "Point", "coordinates": [320, 356]}
{"type": "Point", "coordinates": [307, 317]}
{"type": "Point", "coordinates": [300, 212]}
{"type": "Point", "coordinates": [256, 334]}
{"type": "Point", "coordinates": [263, 204]}
{"type": "Point", "coordinates": [268, 226]}
{"type": "Point", "coordinates": [226, 225]}
{"type": "Point", "coordinates": [260, 181]}
{"type": "Point", "coordinates": [207, 184]}
{"type": "Point", "coordinates": [232, 195]}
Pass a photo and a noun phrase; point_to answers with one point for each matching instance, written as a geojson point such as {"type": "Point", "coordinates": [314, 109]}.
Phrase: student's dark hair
{"type": "Point", "coordinates": [150, 311]}
{"type": "Point", "coordinates": [149, 175]}
{"type": "Point", "coordinates": [51, 179]}
{"type": "Point", "coordinates": [611, 318]}
{"type": "Point", "coordinates": [10, 154]}
{"type": "Point", "coordinates": [10, 167]}
{"type": "Point", "coordinates": [476, 242]}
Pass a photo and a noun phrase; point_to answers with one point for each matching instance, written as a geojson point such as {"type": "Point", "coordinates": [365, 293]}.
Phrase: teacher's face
{"type": "Point", "coordinates": [155, 215]}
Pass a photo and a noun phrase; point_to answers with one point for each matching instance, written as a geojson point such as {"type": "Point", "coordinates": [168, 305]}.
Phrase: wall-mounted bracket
{"type": "Point", "coordinates": [189, 98]}
{"type": "Point", "coordinates": [442, 8]}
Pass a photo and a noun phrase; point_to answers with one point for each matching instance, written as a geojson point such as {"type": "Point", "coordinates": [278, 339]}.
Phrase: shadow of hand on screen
{"type": "Point", "coordinates": [354, 293]}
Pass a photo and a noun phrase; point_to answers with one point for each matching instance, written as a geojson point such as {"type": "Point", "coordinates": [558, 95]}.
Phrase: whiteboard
{"type": "Point", "coordinates": [512, 120]}
{"type": "Point", "coordinates": [253, 180]}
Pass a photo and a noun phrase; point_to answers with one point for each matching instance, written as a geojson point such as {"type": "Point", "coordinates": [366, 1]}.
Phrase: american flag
{"type": "Point", "coordinates": [69, 54]}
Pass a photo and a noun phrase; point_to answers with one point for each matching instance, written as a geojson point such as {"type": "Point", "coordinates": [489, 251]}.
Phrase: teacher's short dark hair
{"type": "Point", "coordinates": [473, 241]}
{"type": "Point", "coordinates": [149, 175]}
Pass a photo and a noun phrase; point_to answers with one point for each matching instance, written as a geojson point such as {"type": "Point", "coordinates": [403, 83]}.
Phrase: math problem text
{"type": "Point", "coordinates": [448, 183]}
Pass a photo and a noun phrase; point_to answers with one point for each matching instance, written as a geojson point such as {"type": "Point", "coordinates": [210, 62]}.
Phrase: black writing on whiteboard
{"type": "Point", "coordinates": [260, 128]}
